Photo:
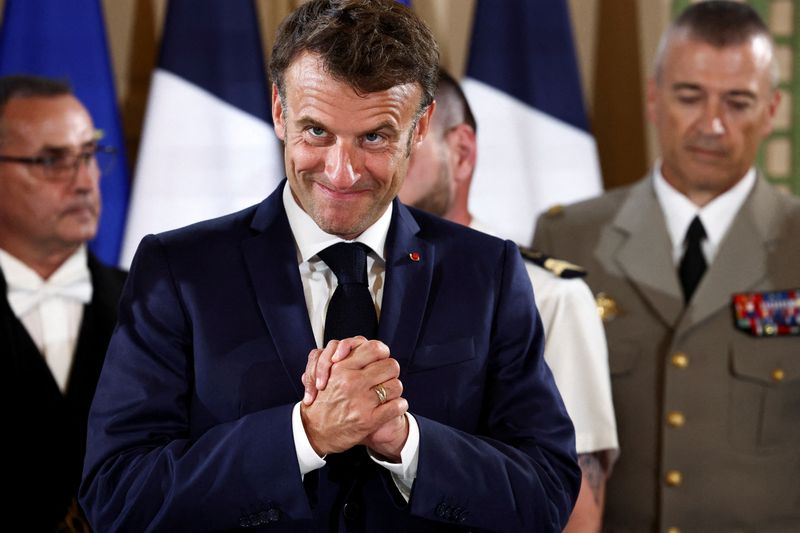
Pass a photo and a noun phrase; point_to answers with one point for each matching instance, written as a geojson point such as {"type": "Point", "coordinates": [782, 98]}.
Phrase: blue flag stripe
{"type": "Point", "coordinates": [525, 48]}
{"type": "Point", "coordinates": [67, 40]}
{"type": "Point", "coordinates": [215, 45]}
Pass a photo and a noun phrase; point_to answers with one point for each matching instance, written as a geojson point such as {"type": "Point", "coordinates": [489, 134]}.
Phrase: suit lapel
{"type": "Point", "coordinates": [406, 286]}
{"type": "Point", "coordinates": [740, 262]}
{"type": "Point", "coordinates": [271, 259]}
{"type": "Point", "coordinates": [644, 252]}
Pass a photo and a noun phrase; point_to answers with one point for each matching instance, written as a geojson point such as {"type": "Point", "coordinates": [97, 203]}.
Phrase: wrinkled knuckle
{"type": "Point", "coordinates": [402, 404]}
{"type": "Point", "coordinates": [377, 347]}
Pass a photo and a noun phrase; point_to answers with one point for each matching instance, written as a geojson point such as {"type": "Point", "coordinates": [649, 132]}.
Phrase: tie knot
{"type": "Point", "coordinates": [696, 231]}
{"type": "Point", "coordinates": [348, 261]}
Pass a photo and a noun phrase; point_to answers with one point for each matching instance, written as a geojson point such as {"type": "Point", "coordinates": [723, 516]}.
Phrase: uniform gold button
{"type": "Point", "coordinates": [674, 478]}
{"type": "Point", "coordinates": [777, 375]}
{"type": "Point", "coordinates": [673, 530]}
{"type": "Point", "coordinates": [676, 419]}
{"type": "Point", "coordinates": [680, 360]}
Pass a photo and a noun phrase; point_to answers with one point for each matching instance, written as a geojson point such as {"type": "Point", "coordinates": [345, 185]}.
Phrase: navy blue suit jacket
{"type": "Point", "coordinates": [190, 429]}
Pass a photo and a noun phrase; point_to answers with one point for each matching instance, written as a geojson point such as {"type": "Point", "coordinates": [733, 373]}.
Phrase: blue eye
{"type": "Point", "coordinates": [372, 137]}
{"type": "Point", "coordinates": [317, 131]}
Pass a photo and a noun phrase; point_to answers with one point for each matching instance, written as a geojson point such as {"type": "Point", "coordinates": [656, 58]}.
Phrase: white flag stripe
{"type": "Point", "coordinates": [527, 162]}
{"type": "Point", "coordinates": [200, 157]}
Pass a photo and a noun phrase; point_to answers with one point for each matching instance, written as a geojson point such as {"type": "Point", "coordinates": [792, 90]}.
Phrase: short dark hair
{"type": "Point", "coordinates": [719, 23]}
{"type": "Point", "coordinates": [452, 106]}
{"type": "Point", "coordinates": [28, 86]}
{"type": "Point", "coordinates": [372, 45]}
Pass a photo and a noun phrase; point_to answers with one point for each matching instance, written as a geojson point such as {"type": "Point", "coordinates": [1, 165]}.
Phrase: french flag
{"type": "Point", "coordinates": [208, 147]}
{"type": "Point", "coordinates": [67, 41]}
{"type": "Point", "coordinates": [534, 144]}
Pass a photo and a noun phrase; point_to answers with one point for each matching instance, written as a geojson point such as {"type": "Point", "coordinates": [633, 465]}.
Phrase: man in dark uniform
{"type": "Point", "coordinates": [59, 302]}
{"type": "Point", "coordinates": [699, 265]}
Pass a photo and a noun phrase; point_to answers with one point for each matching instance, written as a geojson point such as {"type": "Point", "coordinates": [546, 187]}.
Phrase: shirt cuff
{"type": "Point", "coordinates": [404, 472]}
{"type": "Point", "coordinates": [307, 458]}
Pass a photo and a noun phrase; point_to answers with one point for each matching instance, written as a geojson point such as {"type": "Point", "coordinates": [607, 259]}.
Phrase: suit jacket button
{"type": "Point", "coordinates": [352, 510]}
{"type": "Point", "coordinates": [273, 515]}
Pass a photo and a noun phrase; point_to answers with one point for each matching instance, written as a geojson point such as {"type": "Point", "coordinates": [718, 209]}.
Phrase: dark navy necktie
{"type": "Point", "coordinates": [351, 310]}
{"type": "Point", "coordinates": [693, 263]}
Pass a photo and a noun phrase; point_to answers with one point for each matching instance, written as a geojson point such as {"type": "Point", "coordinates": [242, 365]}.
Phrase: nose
{"type": "Point", "coordinates": [341, 165]}
{"type": "Point", "coordinates": [711, 122]}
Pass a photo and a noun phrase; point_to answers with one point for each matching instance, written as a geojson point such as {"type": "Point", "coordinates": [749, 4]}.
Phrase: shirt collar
{"type": "Point", "coordinates": [311, 240]}
{"type": "Point", "coordinates": [716, 216]}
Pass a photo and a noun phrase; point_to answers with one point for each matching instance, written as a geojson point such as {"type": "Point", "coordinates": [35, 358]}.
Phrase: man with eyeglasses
{"type": "Point", "coordinates": [59, 304]}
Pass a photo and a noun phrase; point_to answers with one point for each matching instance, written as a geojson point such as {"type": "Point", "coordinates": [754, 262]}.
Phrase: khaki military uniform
{"type": "Point", "coordinates": [708, 415]}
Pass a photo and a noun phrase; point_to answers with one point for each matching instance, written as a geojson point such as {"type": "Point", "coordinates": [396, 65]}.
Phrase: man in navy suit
{"type": "Point", "coordinates": [59, 303]}
{"type": "Point", "coordinates": [444, 418]}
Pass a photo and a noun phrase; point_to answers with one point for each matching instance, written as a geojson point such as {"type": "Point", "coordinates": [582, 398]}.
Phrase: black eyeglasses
{"type": "Point", "coordinates": [64, 167]}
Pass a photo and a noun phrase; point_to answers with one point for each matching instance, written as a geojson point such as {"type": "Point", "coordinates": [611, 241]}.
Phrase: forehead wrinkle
{"type": "Point", "coordinates": [314, 95]}
{"type": "Point", "coordinates": [379, 113]}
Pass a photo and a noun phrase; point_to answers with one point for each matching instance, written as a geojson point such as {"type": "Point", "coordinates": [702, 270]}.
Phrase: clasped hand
{"type": "Point", "coordinates": [341, 409]}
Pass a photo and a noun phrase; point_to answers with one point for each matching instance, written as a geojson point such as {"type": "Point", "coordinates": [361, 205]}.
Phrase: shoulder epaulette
{"type": "Point", "coordinates": [562, 269]}
{"type": "Point", "coordinates": [555, 211]}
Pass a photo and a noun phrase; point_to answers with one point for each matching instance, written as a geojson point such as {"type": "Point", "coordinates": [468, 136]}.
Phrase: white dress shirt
{"type": "Point", "coordinates": [51, 310]}
{"type": "Point", "coordinates": [577, 356]}
{"type": "Point", "coordinates": [716, 216]}
{"type": "Point", "coordinates": [319, 282]}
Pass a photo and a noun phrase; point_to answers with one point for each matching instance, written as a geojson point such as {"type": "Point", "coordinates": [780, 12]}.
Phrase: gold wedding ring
{"type": "Point", "coordinates": [381, 392]}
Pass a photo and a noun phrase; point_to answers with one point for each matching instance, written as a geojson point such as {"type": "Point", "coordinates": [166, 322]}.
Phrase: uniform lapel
{"type": "Point", "coordinates": [409, 270]}
{"type": "Point", "coordinates": [642, 252]}
{"type": "Point", "coordinates": [271, 260]}
{"type": "Point", "coordinates": [740, 263]}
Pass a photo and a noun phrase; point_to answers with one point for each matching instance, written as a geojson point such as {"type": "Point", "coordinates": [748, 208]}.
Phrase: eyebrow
{"type": "Point", "coordinates": [385, 126]}
{"type": "Point", "coordinates": [58, 150]}
{"type": "Point", "coordinates": [737, 93]}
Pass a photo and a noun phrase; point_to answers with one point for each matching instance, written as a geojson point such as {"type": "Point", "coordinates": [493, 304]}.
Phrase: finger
{"type": "Point", "coordinates": [365, 353]}
{"type": "Point", "coordinates": [386, 412]}
{"type": "Point", "coordinates": [346, 346]}
{"type": "Point", "coordinates": [381, 371]}
{"type": "Point", "coordinates": [310, 390]}
{"type": "Point", "coordinates": [322, 368]}
{"type": "Point", "coordinates": [390, 390]}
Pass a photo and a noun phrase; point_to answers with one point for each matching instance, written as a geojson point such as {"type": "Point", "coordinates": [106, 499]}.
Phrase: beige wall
{"type": "Point", "coordinates": [134, 27]}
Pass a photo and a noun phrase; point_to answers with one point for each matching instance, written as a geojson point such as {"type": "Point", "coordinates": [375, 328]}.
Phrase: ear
{"type": "Point", "coordinates": [652, 96]}
{"type": "Point", "coordinates": [277, 114]}
{"type": "Point", "coordinates": [772, 109]}
{"type": "Point", "coordinates": [423, 124]}
{"type": "Point", "coordinates": [463, 145]}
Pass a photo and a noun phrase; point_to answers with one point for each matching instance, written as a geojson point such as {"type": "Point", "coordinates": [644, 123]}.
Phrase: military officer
{"type": "Point", "coordinates": [697, 268]}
